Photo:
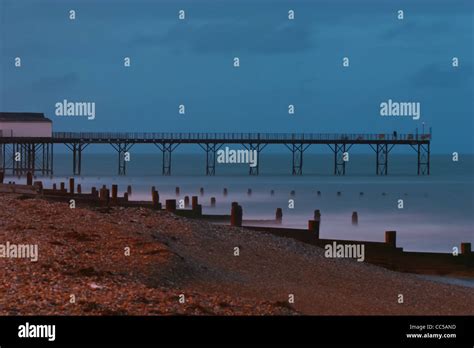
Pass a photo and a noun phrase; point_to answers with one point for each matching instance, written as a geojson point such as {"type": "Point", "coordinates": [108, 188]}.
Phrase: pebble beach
{"type": "Point", "coordinates": [137, 261]}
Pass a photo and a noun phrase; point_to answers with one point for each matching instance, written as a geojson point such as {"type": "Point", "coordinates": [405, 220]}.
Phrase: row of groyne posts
{"type": "Point", "coordinates": [108, 197]}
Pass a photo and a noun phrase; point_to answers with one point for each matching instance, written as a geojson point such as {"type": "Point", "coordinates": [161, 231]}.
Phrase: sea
{"type": "Point", "coordinates": [437, 213]}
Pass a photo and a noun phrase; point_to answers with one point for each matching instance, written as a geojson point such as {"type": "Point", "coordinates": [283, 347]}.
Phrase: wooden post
{"type": "Point", "coordinates": [240, 215]}
{"type": "Point", "coordinates": [63, 187]}
{"type": "Point", "coordinates": [2, 177]}
{"type": "Point", "coordinates": [39, 186]}
{"type": "Point", "coordinates": [213, 202]}
{"type": "Point", "coordinates": [466, 248]}
{"type": "Point", "coordinates": [129, 189]}
{"type": "Point", "coordinates": [71, 186]}
{"type": "Point", "coordinates": [79, 188]}
{"type": "Point", "coordinates": [29, 179]}
{"type": "Point", "coordinates": [125, 196]}
{"type": "Point", "coordinates": [355, 218]}
{"type": "Point", "coordinates": [107, 196]}
{"type": "Point", "coordinates": [103, 196]}
{"type": "Point", "coordinates": [313, 226]}
{"type": "Point", "coordinates": [114, 193]}
{"type": "Point", "coordinates": [186, 201]}
{"type": "Point", "coordinates": [198, 210]}
{"type": "Point", "coordinates": [194, 200]}
{"type": "Point", "coordinates": [156, 200]}
{"type": "Point", "coordinates": [391, 238]}
{"type": "Point", "coordinates": [171, 205]}
{"type": "Point", "coordinates": [153, 189]}
{"type": "Point", "coordinates": [54, 187]}
{"type": "Point", "coordinates": [94, 191]}
{"type": "Point", "coordinates": [279, 215]}
{"type": "Point", "coordinates": [177, 190]}
{"type": "Point", "coordinates": [317, 215]}
{"type": "Point", "coordinates": [236, 215]}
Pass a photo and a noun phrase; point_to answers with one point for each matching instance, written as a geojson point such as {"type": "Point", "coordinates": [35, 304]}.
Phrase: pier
{"type": "Point", "coordinates": [19, 155]}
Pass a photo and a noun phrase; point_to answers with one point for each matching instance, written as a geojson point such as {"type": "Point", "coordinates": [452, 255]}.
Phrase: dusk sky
{"type": "Point", "coordinates": [283, 62]}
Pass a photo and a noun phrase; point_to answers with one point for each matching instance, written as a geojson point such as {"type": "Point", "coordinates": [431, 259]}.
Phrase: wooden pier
{"type": "Point", "coordinates": [36, 154]}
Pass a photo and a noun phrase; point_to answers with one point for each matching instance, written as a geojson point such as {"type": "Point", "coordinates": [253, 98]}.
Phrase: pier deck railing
{"type": "Point", "coordinates": [244, 137]}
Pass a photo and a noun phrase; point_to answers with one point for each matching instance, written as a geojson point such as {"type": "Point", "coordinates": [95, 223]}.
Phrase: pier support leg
{"type": "Point", "coordinates": [381, 159]}
{"type": "Point", "coordinates": [211, 149]}
{"type": "Point", "coordinates": [123, 156]}
{"type": "Point", "coordinates": [76, 149]}
{"type": "Point", "coordinates": [77, 159]}
{"type": "Point", "coordinates": [339, 162]}
{"type": "Point", "coordinates": [166, 169]}
{"type": "Point", "coordinates": [22, 159]}
{"type": "Point", "coordinates": [44, 153]}
{"type": "Point", "coordinates": [2, 158]}
{"type": "Point", "coordinates": [297, 151]}
{"type": "Point", "coordinates": [423, 159]}
{"type": "Point", "coordinates": [166, 150]}
{"type": "Point", "coordinates": [255, 149]}
{"type": "Point", "coordinates": [31, 158]}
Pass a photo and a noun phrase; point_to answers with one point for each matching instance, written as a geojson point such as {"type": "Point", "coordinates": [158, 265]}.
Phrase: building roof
{"type": "Point", "coordinates": [23, 117]}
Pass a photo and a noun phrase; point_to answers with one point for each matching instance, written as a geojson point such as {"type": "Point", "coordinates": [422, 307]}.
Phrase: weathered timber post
{"type": "Point", "coordinates": [391, 238]}
{"type": "Point", "coordinates": [236, 214]}
{"type": "Point", "coordinates": [313, 226]}
{"type": "Point", "coordinates": [355, 218]}
{"type": "Point", "coordinates": [279, 215]}
{"type": "Point", "coordinates": [194, 201]}
{"type": "Point", "coordinates": [156, 200]}
{"type": "Point", "coordinates": [171, 205]}
{"type": "Point", "coordinates": [466, 248]}
{"type": "Point", "coordinates": [114, 193]}
{"type": "Point", "coordinates": [186, 201]}
{"type": "Point", "coordinates": [71, 186]}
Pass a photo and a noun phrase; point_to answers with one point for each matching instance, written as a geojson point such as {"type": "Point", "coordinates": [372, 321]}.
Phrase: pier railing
{"type": "Point", "coordinates": [291, 137]}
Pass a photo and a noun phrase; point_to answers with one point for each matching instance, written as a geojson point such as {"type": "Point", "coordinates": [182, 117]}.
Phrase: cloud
{"type": "Point", "coordinates": [413, 30]}
{"type": "Point", "coordinates": [55, 83]}
{"type": "Point", "coordinates": [228, 37]}
{"type": "Point", "coordinates": [436, 77]}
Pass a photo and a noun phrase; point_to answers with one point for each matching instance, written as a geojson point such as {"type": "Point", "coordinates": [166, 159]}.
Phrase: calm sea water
{"type": "Point", "coordinates": [437, 213]}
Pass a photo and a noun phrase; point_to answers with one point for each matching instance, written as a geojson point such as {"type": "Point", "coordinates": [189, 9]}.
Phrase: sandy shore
{"type": "Point", "coordinates": [82, 253]}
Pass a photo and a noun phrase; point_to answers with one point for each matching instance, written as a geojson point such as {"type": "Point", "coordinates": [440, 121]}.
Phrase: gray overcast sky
{"type": "Point", "coordinates": [282, 62]}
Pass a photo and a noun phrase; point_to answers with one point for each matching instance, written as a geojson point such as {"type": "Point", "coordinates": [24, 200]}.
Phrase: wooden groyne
{"type": "Point", "coordinates": [386, 253]}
